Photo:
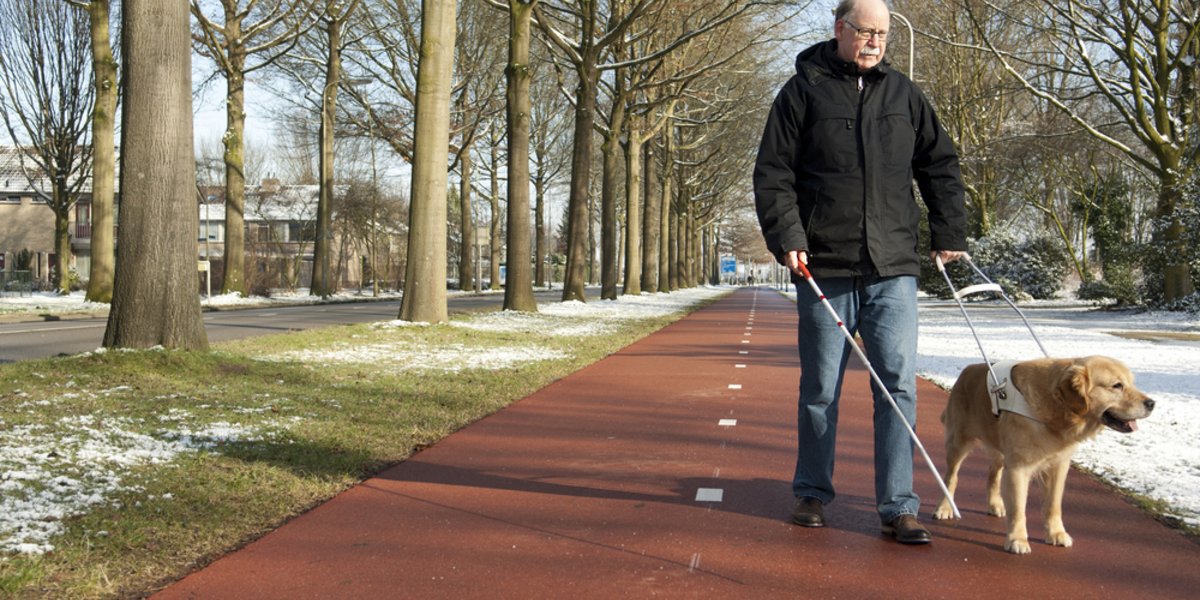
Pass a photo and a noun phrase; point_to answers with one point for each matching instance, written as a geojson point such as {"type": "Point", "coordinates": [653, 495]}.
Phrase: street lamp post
{"type": "Point", "coordinates": [912, 43]}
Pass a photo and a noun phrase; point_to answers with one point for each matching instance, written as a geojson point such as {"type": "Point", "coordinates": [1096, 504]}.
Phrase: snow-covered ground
{"type": "Point", "coordinates": [1162, 458]}
{"type": "Point", "coordinates": [39, 487]}
{"type": "Point", "coordinates": [50, 303]}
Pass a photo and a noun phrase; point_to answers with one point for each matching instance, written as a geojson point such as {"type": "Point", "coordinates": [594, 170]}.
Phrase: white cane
{"type": "Point", "coordinates": [879, 383]}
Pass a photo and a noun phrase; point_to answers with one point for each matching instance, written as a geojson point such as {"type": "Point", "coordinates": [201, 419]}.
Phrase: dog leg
{"type": "Point", "coordinates": [1056, 481]}
{"type": "Point", "coordinates": [995, 472]}
{"type": "Point", "coordinates": [956, 453]}
{"type": "Point", "coordinates": [1015, 489]}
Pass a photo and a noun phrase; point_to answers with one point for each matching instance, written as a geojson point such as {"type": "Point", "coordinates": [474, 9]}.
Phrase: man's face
{"type": "Point", "coordinates": [866, 53]}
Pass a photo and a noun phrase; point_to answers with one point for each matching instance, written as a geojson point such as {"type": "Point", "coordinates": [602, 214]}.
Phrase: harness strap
{"type": "Point", "coordinates": [1005, 395]}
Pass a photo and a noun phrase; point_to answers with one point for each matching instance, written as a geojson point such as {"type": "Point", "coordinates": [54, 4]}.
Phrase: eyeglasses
{"type": "Point", "coordinates": [866, 34]}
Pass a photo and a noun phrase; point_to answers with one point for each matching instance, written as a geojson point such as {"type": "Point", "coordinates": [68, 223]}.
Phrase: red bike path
{"type": "Point", "coordinates": [664, 471]}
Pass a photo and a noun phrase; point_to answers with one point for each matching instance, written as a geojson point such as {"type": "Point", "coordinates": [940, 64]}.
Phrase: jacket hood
{"type": "Point", "coordinates": [822, 59]}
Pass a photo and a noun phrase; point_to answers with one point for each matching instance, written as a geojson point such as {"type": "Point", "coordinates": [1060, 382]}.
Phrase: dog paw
{"type": "Point", "coordinates": [1059, 538]}
{"type": "Point", "coordinates": [1017, 546]}
{"type": "Point", "coordinates": [997, 510]}
{"type": "Point", "coordinates": [943, 512]}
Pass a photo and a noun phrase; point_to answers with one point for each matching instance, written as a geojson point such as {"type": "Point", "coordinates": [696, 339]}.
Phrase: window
{"type": "Point", "coordinates": [302, 231]}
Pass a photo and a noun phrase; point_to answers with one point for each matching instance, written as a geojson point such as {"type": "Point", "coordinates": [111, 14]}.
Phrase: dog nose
{"type": "Point", "coordinates": [1149, 404]}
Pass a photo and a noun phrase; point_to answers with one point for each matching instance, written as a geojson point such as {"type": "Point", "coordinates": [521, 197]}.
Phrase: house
{"type": "Point", "coordinates": [280, 230]}
{"type": "Point", "coordinates": [27, 222]}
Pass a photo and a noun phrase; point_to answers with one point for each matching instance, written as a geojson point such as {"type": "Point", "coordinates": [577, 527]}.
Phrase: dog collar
{"type": "Point", "coordinates": [1005, 396]}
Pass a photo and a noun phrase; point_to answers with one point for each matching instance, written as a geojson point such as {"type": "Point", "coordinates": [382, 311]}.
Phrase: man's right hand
{"type": "Point", "coordinates": [793, 260]}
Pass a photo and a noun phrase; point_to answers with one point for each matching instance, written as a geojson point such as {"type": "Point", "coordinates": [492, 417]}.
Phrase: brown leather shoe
{"type": "Point", "coordinates": [907, 530]}
{"type": "Point", "coordinates": [808, 513]}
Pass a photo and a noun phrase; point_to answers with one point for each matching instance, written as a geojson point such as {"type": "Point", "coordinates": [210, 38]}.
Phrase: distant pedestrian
{"type": "Point", "coordinates": [845, 138]}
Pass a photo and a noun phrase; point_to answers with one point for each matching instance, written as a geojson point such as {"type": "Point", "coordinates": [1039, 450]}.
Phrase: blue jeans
{"type": "Point", "coordinates": [883, 311]}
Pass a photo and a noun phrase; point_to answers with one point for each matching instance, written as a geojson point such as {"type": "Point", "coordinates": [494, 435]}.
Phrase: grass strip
{"type": "Point", "coordinates": [167, 459]}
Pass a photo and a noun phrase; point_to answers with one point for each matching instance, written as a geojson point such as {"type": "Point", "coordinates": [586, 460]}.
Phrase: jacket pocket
{"type": "Point", "coordinates": [897, 139]}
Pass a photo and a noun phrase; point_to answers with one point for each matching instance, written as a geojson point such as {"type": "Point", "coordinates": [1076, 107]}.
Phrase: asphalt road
{"type": "Point", "coordinates": [41, 339]}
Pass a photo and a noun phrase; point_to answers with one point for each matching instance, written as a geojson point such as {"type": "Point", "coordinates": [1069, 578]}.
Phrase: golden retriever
{"type": "Point", "coordinates": [1073, 399]}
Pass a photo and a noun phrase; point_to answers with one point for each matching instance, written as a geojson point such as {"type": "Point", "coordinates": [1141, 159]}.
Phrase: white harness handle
{"type": "Point", "coordinates": [1004, 394]}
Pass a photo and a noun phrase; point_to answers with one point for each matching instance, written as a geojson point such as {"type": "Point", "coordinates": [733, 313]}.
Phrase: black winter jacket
{"type": "Point", "coordinates": [836, 164]}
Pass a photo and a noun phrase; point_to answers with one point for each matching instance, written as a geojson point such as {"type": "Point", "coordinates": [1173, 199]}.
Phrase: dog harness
{"type": "Point", "coordinates": [1005, 396]}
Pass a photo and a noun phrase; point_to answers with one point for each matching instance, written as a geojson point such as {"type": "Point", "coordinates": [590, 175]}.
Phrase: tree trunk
{"type": "Point", "coordinates": [581, 158]}
{"type": "Point", "coordinates": [235, 179]}
{"type": "Point", "coordinates": [633, 212]}
{"type": "Point", "coordinates": [665, 243]}
{"type": "Point", "coordinates": [518, 286]}
{"type": "Point", "coordinates": [496, 223]}
{"type": "Point", "coordinates": [466, 262]}
{"type": "Point", "coordinates": [154, 297]}
{"type": "Point", "coordinates": [651, 224]}
{"type": "Point", "coordinates": [695, 256]}
{"type": "Point", "coordinates": [1177, 278]}
{"type": "Point", "coordinates": [578, 212]}
{"type": "Point", "coordinates": [322, 284]}
{"type": "Point", "coordinates": [608, 213]}
{"type": "Point", "coordinates": [539, 253]}
{"type": "Point", "coordinates": [104, 66]}
{"type": "Point", "coordinates": [589, 228]}
{"type": "Point", "coordinates": [425, 275]}
{"type": "Point", "coordinates": [673, 250]}
{"type": "Point", "coordinates": [62, 238]}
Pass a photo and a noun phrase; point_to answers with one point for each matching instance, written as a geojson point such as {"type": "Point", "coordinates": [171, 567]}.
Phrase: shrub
{"type": "Point", "coordinates": [1032, 268]}
{"type": "Point", "coordinates": [1118, 284]}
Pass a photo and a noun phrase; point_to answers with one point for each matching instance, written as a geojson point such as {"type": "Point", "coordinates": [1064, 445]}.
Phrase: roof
{"type": "Point", "coordinates": [285, 203]}
{"type": "Point", "coordinates": [13, 177]}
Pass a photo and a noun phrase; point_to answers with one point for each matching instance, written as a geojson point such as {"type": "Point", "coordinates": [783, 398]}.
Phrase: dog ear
{"type": "Point", "coordinates": [1072, 388]}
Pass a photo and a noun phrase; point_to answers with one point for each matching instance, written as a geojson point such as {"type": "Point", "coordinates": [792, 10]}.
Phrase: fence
{"type": "Point", "coordinates": [16, 283]}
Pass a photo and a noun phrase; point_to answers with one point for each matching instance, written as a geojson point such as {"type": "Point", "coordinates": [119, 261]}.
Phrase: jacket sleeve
{"type": "Point", "coordinates": [775, 178]}
{"type": "Point", "coordinates": [938, 176]}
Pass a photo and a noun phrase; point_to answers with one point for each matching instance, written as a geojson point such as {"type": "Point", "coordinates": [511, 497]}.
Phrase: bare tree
{"type": "Point", "coordinates": [989, 117]}
{"type": "Point", "coordinates": [48, 95]}
{"type": "Point", "coordinates": [494, 142]}
{"type": "Point", "coordinates": [104, 79]}
{"type": "Point", "coordinates": [154, 297]}
{"type": "Point", "coordinates": [477, 105]}
{"type": "Point", "coordinates": [333, 20]}
{"type": "Point", "coordinates": [586, 33]}
{"type": "Point", "coordinates": [1141, 60]}
{"type": "Point", "coordinates": [425, 277]}
{"type": "Point", "coordinates": [388, 56]}
{"type": "Point", "coordinates": [518, 290]}
{"type": "Point", "coordinates": [548, 133]}
{"type": "Point", "coordinates": [682, 45]}
{"type": "Point", "coordinates": [246, 29]}
{"type": "Point", "coordinates": [594, 35]}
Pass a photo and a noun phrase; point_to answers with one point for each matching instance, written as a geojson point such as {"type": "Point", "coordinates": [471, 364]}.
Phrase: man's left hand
{"type": "Point", "coordinates": [947, 256]}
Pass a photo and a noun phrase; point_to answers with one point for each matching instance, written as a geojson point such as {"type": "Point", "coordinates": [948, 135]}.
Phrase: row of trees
{"type": "Point", "coordinates": [663, 89]}
{"type": "Point", "coordinates": [669, 76]}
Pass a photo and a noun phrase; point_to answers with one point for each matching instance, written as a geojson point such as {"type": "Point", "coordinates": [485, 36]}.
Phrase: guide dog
{"type": "Point", "coordinates": [1068, 400]}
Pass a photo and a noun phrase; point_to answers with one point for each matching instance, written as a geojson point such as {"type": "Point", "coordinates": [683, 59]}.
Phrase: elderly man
{"type": "Point", "coordinates": [833, 185]}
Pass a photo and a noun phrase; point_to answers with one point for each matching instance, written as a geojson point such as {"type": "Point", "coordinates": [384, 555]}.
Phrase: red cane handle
{"type": "Point", "coordinates": [803, 268]}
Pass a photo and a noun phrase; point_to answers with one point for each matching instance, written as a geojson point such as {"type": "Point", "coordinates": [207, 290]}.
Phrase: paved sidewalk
{"type": "Point", "coordinates": [664, 470]}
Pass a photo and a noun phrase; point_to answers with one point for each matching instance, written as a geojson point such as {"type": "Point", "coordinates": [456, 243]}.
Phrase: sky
{"type": "Point", "coordinates": [1160, 460]}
